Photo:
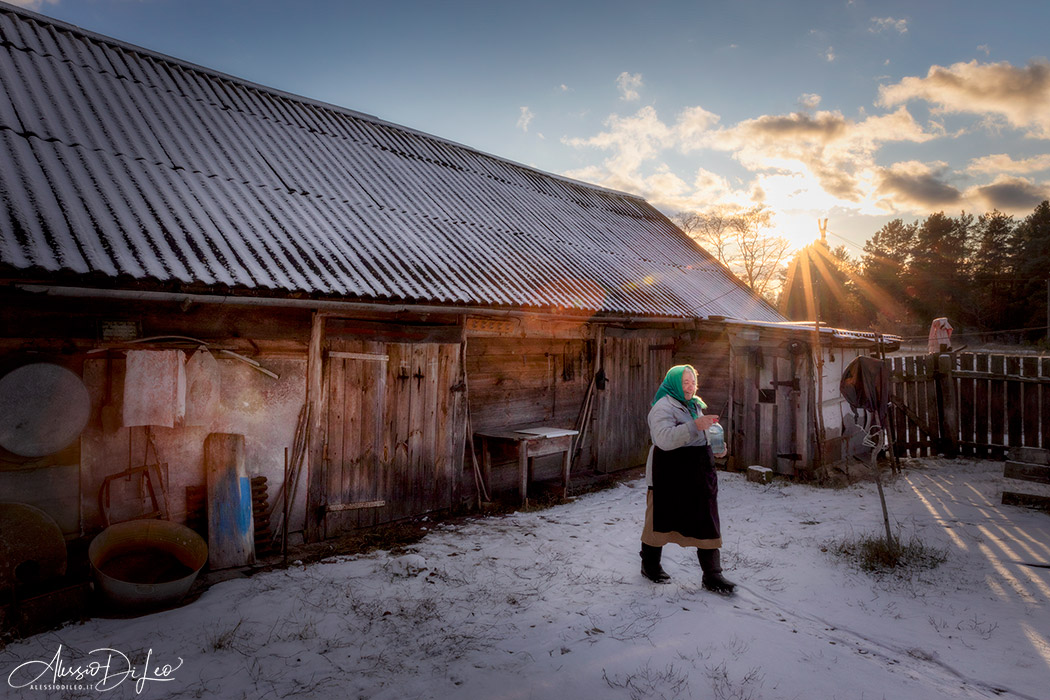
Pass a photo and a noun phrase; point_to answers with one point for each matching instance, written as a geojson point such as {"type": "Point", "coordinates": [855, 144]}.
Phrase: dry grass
{"type": "Point", "coordinates": [874, 554]}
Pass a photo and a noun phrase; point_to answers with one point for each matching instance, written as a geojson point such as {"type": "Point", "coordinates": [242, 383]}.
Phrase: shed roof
{"type": "Point", "coordinates": [124, 167]}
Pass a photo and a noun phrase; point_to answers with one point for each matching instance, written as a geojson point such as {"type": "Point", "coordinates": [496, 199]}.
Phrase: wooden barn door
{"type": "Point", "coordinates": [635, 366]}
{"type": "Point", "coordinates": [392, 438]}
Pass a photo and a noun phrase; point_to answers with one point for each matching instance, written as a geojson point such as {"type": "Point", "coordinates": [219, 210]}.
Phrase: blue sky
{"type": "Point", "coordinates": [857, 111]}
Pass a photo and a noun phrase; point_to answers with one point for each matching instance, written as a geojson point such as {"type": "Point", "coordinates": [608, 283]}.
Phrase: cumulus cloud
{"type": "Point", "coordinates": [881, 24]}
{"type": "Point", "coordinates": [1019, 95]}
{"type": "Point", "coordinates": [628, 85]}
{"type": "Point", "coordinates": [525, 118]}
{"type": "Point", "coordinates": [985, 49]}
{"type": "Point", "coordinates": [822, 159]}
{"type": "Point", "coordinates": [632, 140]}
{"type": "Point", "coordinates": [1003, 163]}
{"type": "Point", "coordinates": [809, 100]}
{"type": "Point", "coordinates": [829, 55]}
{"type": "Point", "coordinates": [1013, 195]}
{"type": "Point", "coordinates": [917, 186]}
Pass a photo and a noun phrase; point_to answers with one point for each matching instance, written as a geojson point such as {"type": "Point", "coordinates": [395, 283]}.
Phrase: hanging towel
{"type": "Point", "coordinates": [155, 388]}
{"type": "Point", "coordinates": [940, 334]}
{"type": "Point", "coordinates": [202, 389]}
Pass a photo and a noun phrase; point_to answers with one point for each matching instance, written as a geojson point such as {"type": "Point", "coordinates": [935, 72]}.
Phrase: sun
{"type": "Point", "coordinates": [799, 227]}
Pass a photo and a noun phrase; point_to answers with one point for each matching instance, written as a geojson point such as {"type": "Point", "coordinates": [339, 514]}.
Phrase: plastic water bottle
{"type": "Point", "coordinates": [716, 438]}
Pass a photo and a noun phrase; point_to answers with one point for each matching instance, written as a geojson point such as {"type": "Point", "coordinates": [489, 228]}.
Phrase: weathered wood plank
{"type": "Point", "coordinates": [334, 447]}
{"type": "Point", "coordinates": [997, 405]}
{"type": "Point", "coordinates": [1030, 399]}
{"type": "Point", "coordinates": [231, 531]}
{"type": "Point", "coordinates": [1044, 402]}
{"type": "Point", "coordinates": [1026, 500]}
{"type": "Point", "coordinates": [933, 414]}
{"type": "Point", "coordinates": [981, 435]}
{"type": "Point", "coordinates": [1014, 404]}
{"type": "Point", "coordinates": [1027, 472]}
{"type": "Point", "coordinates": [1032, 455]}
{"type": "Point", "coordinates": [966, 394]}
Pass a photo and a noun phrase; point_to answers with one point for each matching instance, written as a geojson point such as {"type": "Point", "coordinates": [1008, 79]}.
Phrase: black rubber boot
{"type": "Point", "coordinates": [651, 568]}
{"type": "Point", "coordinates": [713, 580]}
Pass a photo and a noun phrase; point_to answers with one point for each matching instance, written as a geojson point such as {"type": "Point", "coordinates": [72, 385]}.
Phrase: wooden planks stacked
{"type": "Point", "coordinates": [1027, 464]}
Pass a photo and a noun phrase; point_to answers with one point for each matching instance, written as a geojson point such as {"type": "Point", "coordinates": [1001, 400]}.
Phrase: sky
{"type": "Point", "coordinates": [856, 111]}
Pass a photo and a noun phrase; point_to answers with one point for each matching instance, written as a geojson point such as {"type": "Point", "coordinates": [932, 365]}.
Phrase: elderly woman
{"type": "Point", "coordinates": [682, 503]}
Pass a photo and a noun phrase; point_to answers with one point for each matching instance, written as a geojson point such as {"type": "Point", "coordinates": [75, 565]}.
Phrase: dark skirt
{"type": "Point", "coordinates": [683, 504]}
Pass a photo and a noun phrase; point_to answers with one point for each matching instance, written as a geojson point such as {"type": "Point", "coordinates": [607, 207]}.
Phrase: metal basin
{"type": "Point", "coordinates": [146, 563]}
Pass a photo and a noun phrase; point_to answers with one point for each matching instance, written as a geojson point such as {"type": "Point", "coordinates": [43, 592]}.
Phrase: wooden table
{"type": "Point", "coordinates": [539, 441]}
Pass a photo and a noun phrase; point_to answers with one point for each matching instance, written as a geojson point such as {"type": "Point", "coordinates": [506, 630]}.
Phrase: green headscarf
{"type": "Point", "coordinates": [672, 386]}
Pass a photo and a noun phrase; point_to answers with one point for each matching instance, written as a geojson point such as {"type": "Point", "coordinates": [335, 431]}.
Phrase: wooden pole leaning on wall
{"type": "Point", "coordinates": [315, 451]}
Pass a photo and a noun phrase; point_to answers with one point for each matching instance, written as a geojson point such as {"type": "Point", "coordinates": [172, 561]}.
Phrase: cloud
{"type": "Point", "coordinates": [525, 119]}
{"type": "Point", "coordinates": [796, 161]}
{"type": "Point", "coordinates": [881, 24]}
{"type": "Point", "coordinates": [916, 186]}
{"type": "Point", "coordinates": [563, 88]}
{"type": "Point", "coordinates": [628, 85]}
{"type": "Point", "coordinates": [1013, 195]}
{"type": "Point", "coordinates": [1020, 95]}
{"type": "Point", "coordinates": [33, 4]}
{"type": "Point", "coordinates": [809, 100]}
{"type": "Point", "coordinates": [632, 140]}
{"type": "Point", "coordinates": [985, 49]}
{"type": "Point", "coordinates": [1003, 163]}
{"type": "Point", "coordinates": [829, 55]}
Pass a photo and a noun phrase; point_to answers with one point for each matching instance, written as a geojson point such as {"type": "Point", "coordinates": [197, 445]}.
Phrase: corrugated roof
{"type": "Point", "coordinates": [122, 163]}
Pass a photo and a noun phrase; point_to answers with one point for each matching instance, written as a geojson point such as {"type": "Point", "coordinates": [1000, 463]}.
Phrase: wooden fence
{"type": "Point", "coordinates": [976, 404]}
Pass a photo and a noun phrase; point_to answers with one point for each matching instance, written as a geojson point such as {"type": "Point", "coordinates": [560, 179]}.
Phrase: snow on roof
{"type": "Point", "coordinates": [132, 167]}
{"type": "Point", "coordinates": [840, 334]}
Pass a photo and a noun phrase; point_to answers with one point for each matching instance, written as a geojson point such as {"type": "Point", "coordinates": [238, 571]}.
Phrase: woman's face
{"type": "Point", "coordinates": [688, 384]}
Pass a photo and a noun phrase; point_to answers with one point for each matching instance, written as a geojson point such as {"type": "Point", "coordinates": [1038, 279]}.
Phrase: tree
{"type": "Point", "coordinates": [884, 266]}
{"type": "Point", "coordinates": [992, 272]}
{"type": "Point", "coordinates": [937, 279]}
{"type": "Point", "coordinates": [1032, 266]}
{"type": "Point", "coordinates": [743, 241]}
{"type": "Point", "coordinates": [832, 287]}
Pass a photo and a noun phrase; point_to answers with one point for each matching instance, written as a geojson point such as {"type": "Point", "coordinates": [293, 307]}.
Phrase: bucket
{"type": "Point", "coordinates": [146, 563]}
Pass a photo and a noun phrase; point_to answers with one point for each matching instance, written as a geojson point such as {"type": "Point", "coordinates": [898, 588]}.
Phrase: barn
{"type": "Point", "coordinates": [199, 273]}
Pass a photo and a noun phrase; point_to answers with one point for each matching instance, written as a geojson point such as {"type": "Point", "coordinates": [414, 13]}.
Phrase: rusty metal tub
{"type": "Point", "coordinates": [146, 563]}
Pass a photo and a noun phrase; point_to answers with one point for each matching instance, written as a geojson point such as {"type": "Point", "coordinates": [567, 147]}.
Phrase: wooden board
{"type": "Point", "coordinates": [1014, 404]}
{"type": "Point", "coordinates": [981, 434]}
{"type": "Point", "coordinates": [231, 531]}
{"type": "Point", "coordinates": [1026, 499]}
{"type": "Point", "coordinates": [966, 403]}
{"type": "Point", "coordinates": [997, 405]}
{"type": "Point", "coordinates": [1027, 472]}
{"type": "Point", "coordinates": [1030, 399]}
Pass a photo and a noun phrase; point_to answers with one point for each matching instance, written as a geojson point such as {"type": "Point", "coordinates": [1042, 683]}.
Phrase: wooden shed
{"type": "Point", "coordinates": [361, 302]}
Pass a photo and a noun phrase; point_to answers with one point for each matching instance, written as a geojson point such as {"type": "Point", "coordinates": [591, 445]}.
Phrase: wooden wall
{"type": "Point", "coordinates": [517, 381]}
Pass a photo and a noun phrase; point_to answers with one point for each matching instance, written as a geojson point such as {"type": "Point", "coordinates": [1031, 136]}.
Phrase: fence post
{"type": "Point", "coordinates": [946, 405]}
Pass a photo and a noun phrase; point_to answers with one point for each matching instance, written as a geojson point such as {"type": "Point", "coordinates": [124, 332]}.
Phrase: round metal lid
{"type": "Point", "coordinates": [43, 408]}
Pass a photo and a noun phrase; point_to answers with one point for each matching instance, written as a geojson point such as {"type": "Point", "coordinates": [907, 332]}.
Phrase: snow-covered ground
{"type": "Point", "coordinates": [550, 604]}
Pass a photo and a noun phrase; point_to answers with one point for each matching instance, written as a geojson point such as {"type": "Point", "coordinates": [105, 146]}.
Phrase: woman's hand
{"type": "Point", "coordinates": [723, 453]}
{"type": "Point", "coordinates": [705, 422]}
